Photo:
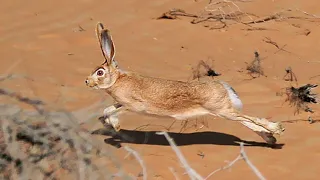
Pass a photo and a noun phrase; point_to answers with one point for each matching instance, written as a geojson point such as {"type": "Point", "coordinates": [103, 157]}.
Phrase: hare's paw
{"type": "Point", "coordinates": [116, 127]}
{"type": "Point", "coordinates": [114, 121]}
{"type": "Point", "coordinates": [276, 128]}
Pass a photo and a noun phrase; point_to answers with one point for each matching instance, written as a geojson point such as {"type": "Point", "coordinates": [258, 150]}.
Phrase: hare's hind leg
{"type": "Point", "coordinates": [110, 116]}
{"type": "Point", "coordinates": [266, 135]}
{"type": "Point", "coordinates": [261, 126]}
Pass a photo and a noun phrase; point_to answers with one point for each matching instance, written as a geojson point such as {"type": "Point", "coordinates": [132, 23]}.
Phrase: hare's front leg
{"type": "Point", "coordinates": [110, 116]}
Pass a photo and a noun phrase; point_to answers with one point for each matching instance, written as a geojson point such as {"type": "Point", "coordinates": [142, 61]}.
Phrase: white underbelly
{"type": "Point", "coordinates": [191, 113]}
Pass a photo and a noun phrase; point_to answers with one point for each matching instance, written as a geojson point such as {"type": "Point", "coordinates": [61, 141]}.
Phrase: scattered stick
{"type": "Point", "coordinates": [218, 14]}
{"type": "Point", "coordinates": [280, 16]}
{"type": "Point", "coordinates": [223, 10]}
{"type": "Point", "coordinates": [306, 13]}
{"type": "Point", "coordinates": [314, 76]}
{"type": "Point", "coordinates": [268, 40]}
{"type": "Point", "coordinates": [174, 13]}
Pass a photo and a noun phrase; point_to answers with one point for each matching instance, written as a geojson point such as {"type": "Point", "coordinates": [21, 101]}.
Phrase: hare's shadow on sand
{"type": "Point", "coordinates": [181, 139]}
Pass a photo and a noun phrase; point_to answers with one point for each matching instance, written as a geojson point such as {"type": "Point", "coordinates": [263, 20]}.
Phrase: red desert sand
{"type": "Point", "coordinates": [54, 44]}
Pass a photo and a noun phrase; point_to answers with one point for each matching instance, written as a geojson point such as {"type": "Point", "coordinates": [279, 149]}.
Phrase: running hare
{"type": "Point", "coordinates": [162, 97]}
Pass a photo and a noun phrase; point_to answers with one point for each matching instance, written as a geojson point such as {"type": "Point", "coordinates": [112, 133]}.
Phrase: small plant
{"type": "Point", "coordinates": [254, 68]}
{"type": "Point", "coordinates": [290, 76]}
{"type": "Point", "coordinates": [301, 97]}
{"type": "Point", "coordinates": [207, 71]}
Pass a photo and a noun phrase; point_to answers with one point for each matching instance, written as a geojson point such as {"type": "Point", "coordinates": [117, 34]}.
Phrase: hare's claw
{"type": "Point", "coordinates": [268, 137]}
{"type": "Point", "coordinates": [116, 127]}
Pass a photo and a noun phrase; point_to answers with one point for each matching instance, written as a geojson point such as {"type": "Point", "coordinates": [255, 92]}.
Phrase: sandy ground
{"type": "Point", "coordinates": [54, 44]}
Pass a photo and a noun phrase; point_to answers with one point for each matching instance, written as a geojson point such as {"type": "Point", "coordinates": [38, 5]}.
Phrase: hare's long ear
{"type": "Point", "coordinates": [106, 43]}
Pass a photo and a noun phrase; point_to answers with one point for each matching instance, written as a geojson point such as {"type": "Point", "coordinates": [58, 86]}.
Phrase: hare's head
{"type": "Point", "coordinates": [105, 75]}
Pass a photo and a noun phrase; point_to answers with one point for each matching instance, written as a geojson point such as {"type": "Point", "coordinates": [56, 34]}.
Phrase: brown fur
{"type": "Point", "coordinates": [167, 97]}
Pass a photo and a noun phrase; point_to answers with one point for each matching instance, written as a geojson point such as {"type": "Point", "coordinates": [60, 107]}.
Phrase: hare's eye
{"type": "Point", "coordinates": [100, 73]}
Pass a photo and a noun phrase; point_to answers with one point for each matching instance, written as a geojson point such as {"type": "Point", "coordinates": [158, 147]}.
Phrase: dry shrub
{"type": "Point", "coordinates": [300, 97]}
{"type": "Point", "coordinates": [204, 69]}
{"type": "Point", "coordinates": [254, 67]}
{"type": "Point", "coordinates": [51, 145]}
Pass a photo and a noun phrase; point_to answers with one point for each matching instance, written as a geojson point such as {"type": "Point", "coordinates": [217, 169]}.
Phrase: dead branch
{"type": "Point", "coordinates": [258, 29]}
{"type": "Point", "coordinates": [175, 13]}
{"type": "Point", "coordinates": [192, 173]}
{"type": "Point", "coordinates": [243, 156]}
{"type": "Point", "coordinates": [223, 11]}
{"type": "Point", "coordinates": [311, 121]}
{"type": "Point", "coordinates": [210, 13]}
{"type": "Point", "coordinates": [280, 16]}
{"type": "Point", "coordinates": [139, 159]}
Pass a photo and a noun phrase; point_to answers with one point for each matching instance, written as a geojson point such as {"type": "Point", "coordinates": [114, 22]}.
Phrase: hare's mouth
{"type": "Point", "coordinates": [91, 84]}
{"type": "Point", "coordinates": [95, 86]}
